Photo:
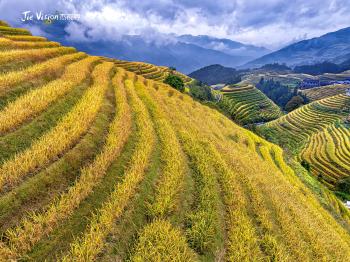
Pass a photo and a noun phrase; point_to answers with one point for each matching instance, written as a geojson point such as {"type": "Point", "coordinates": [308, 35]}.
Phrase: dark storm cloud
{"type": "Point", "coordinates": [271, 23]}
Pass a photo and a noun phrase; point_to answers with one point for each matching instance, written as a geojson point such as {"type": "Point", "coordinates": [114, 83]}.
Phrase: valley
{"type": "Point", "coordinates": [310, 123]}
{"type": "Point", "coordinates": [102, 160]}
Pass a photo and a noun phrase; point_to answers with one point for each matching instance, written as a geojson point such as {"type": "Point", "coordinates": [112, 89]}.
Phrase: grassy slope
{"type": "Point", "coordinates": [216, 204]}
{"type": "Point", "coordinates": [324, 91]}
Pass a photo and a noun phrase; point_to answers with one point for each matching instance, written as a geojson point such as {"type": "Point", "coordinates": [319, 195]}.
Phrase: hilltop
{"type": "Point", "coordinates": [216, 74]}
{"type": "Point", "coordinates": [101, 163]}
{"type": "Point", "coordinates": [334, 47]}
{"type": "Point", "coordinates": [227, 46]}
{"type": "Point", "coordinates": [149, 71]}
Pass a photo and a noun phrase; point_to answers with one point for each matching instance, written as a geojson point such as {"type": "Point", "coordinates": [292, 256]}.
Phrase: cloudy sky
{"type": "Point", "coordinates": [269, 23]}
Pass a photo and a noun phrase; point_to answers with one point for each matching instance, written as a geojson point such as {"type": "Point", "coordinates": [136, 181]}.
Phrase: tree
{"type": "Point", "coordinates": [294, 103]}
{"type": "Point", "coordinates": [276, 67]}
{"type": "Point", "coordinates": [344, 185]}
{"type": "Point", "coordinates": [319, 69]}
{"type": "Point", "coordinates": [306, 165]}
{"type": "Point", "coordinates": [200, 91]}
{"type": "Point", "coordinates": [277, 92]}
{"type": "Point", "coordinates": [176, 82]}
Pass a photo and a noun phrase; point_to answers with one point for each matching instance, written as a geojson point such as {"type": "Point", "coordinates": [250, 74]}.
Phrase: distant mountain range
{"type": "Point", "coordinates": [226, 46]}
{"type": "Point", "coordinates": [333, 47]}
{"type": "Point", "coordinates": [186, 53]}
{"type": "Point", "coordinates": [186, 56]}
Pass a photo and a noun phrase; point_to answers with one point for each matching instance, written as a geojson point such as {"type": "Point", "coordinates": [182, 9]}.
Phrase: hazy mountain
{"type": "Point", "coordinates": [187, 53]}
{"type": "Point", "coordinates": [334, 47]}
{"type": "Point", "coordinates": [186, 56]}
{"type": "Point", "coordinates": [226, 46]}
{"type": "Point", "coordinates": [216, 74]}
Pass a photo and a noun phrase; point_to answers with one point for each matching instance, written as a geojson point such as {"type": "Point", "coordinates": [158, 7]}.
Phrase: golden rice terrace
{"type": "Point", "coordinates": [319, 133]}
{"type": "Point", "coordinates": [100, 163]}
{"type": "Point", "coordinates": [246, 104]}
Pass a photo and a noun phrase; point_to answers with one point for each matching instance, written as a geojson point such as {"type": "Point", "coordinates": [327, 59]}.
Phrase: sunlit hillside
{"type": "Point", "coordinates": [328, 151]}
{"type": "Point", "coordinates": [99, 163]}
{"type": "Point", "coordinates": [149, 71]}
{"type": "Point", "coordinates": [325, 91]}
{"type": "Point", "coordinates": [246, 104]}
{"type": "Point", "coordinates": [318, 131]}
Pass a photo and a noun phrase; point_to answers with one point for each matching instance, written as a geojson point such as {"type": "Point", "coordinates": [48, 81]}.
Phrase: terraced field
{"type": "Point", "coordinates": [98, 163]}
{"type": "Point", "coordinates": [290, 79]}
{"type": "Point", "coordinates": [247, 104]}
{"type": "Point", "coordinates": [299, 124]}
{"type": "Point", "coordinates": [149, 71]}
{"type": "Point", "coordinates": [312, 130]}
{"type": "Point", "coordinates": [5, 29]}
{"type": "Point", "coordinates": [329, 153]}
{"type": "Point", "coordinates": [318, 93]}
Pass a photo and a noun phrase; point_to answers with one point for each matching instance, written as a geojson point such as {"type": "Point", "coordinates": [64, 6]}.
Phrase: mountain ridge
{"type": "Point", "coordinates": [215, 74]}
{"type": "Point", "coordinates": [332, 46]}
{"type": "Point", "coordinates": [225, 45]}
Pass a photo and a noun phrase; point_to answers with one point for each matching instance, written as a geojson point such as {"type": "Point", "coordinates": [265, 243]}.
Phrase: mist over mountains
{"type": "Point", "coordinates": [333, 47]}
{"type": "Point", "coordinates": [186, 52]}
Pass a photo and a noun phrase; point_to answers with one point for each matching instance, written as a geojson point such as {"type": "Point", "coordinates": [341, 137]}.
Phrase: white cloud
{"type": "Point", "coordinates": [270, 23]}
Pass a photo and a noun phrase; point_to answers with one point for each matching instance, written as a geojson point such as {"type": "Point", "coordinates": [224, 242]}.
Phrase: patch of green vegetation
{"type": "Point", "coordinates": [282, 94]}
{"type": "Point", "coordinates": [175, 82]}
{"type": "Point", "coordinates": [247, 105]}
{"type": "Point", "coordinates": [200, 91]}
{"type": "Point", "coordinates": [306, 165]}
{"type": "Point", "coordinates": [294, 103]}
{"type": "Point", "coordinates": [343, 196]}
{"type": "Point", "coordinates": [343, 186]}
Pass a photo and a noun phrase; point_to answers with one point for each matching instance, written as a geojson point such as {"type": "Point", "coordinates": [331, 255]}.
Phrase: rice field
{"type": "Point", "coordinates": [328, 152]}
{"type": "Point", "coordinates": [318, 93]}
{"type": "Point", "coordinates": [149, 71]}
{"type": "Point", "coordinates": [7, 30]}
{"type": "Point", "coordinates": [247, 104]}
{"type": "Point", "coordinates": [316, 133]}
{"type": "Point", "coordinates": [98, 163]}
